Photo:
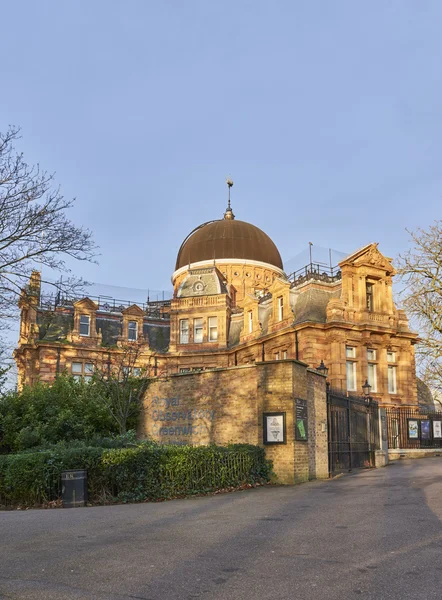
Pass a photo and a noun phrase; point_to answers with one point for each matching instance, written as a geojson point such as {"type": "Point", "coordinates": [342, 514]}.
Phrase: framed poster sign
{"type": "Point", "coordinates": [437, 430]}
{"type": "Point", "coordinates": [425, 430]}
{"type": "Point", "coordinates": [301, 420]}
{"type": "Point", "coordinates": [413, 429]}
{"type": "Point", "coordinates": [274, 428]}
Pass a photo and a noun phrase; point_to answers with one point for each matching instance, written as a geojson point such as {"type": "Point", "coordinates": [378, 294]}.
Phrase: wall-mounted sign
{"type": "Point", "coordinates": [301, 420]}
{"type": "Point", "coordinates": [437, 430]}
{"type": "Point", "coordinates": [413, 429]}
{"type": "Point", "coordinates": [425, 430]}
{"type": "Point", "coordinates": [274, 428]}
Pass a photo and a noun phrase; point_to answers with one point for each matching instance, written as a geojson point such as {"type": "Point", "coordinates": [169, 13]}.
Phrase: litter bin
{"type": "Point", "coordinates": [74, 488]}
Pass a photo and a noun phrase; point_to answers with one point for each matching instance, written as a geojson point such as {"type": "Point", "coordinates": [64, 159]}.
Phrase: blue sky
{"type": "Point", "coordinates": [328, 116]}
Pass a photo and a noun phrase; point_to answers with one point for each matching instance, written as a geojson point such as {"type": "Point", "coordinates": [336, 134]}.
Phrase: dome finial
{"type": "Point", "coordinates": [229, 213]}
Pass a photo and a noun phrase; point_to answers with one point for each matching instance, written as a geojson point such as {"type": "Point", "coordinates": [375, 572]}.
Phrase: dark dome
{"type": "Point", "coordinates": [228, 238]}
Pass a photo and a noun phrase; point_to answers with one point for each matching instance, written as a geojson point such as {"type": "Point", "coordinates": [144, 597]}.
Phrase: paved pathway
{"type": "Point", "coordinates": [374, 535]}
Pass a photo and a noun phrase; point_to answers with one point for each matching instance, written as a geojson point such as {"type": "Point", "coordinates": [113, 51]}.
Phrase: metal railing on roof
{"type": "Point", "coordinates": [315, 271]}
{"type": "Point", "coordinates": [154, 308]}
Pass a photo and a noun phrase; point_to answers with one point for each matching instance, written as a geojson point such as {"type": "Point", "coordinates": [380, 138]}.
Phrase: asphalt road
{"type": "Point", "coordinates": [374, 535]}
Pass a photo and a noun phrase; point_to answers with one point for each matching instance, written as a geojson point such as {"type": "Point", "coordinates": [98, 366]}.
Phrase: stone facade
{"type": "Point", "coordinates": [230, 312]}
{"type": "Point", "coordinates": [227, 406]}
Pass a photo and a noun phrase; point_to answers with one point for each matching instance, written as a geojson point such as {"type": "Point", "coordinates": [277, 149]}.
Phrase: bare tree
{"type": "Point", "coordinates": [421, 270]}
{"type": "Point", "coordinates": [121, 386]}
{"type": "Point", "coordinates": [34, 228]}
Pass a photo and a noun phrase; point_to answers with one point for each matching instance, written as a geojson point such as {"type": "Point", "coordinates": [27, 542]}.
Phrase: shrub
{"type": "Point", "coordinates": [145, 472]}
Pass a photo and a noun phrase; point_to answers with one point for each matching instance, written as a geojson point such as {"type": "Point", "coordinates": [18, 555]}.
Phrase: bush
{"type": "Point", "coordinates": [46, 414]}
{"type": "Point", "coordinates": [145, 472]}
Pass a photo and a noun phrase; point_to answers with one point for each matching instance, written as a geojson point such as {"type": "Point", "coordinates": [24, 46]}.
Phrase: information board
{"type": "Point", "coordinates": [301, 420]}
{"type": "Point", "coordinates": [425, 430]}
{"type": "Point", "coordinates": [413, 429]}
{"type": "Point", "coordinates": [274, 428]}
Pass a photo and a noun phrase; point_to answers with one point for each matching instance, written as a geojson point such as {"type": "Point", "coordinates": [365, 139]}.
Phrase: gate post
{"type": "Point", "coordinates": [381, 455]}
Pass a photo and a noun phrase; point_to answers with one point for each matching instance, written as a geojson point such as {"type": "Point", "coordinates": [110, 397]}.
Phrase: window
{"type": "Point", "coordinates": [350, 352]}
{"type": "Point", "coordinates": [280, 308]}
{"type": "Point", "coordinates": [213, 329]}
{"type": "Point", "coordinates": [82, 371]}
{"type": "Point", "coordinates": [197, 331]}
{"type": "Point", "coordinates": [185, 370]}
{"type": "Point", "coordinates": [136, 371]}
{"type": "Point", "coordinates": [84, 325]}
{"type": "Point", "coordinates": [250, 321]}
{"type": "Point", "coordinates": [351, 376]}
{"type": "Point", "coordinates": [369, 296]}
{"type": "Point", "coordinates": [392, 386]}
{"type": "Point", "coordinates": [284, 355]}
{"type": "Point", "coordinates": [184, 331]}
{"type": "Point", "coordinates": [371, 354]}
{"type": "Point", "coordinates": [277, 356]}
{"type": "Point", "coordinates": [132, 331]}
{"type": "Point", "coordinates": [371, 378]}
{"type": "Point", "coordinates": [391, 357]}
{"type": "Point", "coordinates": [392, 389]}
{"type": "Point", "coordinates": [371, 372]}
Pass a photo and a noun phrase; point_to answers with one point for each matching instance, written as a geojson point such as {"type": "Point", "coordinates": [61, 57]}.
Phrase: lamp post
{"type": "Point", "coordinates": [322, 369]}
{"type": "Point", "coordinates": [366, 388]}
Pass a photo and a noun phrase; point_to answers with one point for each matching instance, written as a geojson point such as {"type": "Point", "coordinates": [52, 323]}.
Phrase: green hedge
{"type": "Point", "coordinates": [144, 472]}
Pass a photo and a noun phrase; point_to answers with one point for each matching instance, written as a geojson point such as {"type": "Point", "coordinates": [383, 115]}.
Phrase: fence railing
{"type": "Point", "coordinates": [412, 429]}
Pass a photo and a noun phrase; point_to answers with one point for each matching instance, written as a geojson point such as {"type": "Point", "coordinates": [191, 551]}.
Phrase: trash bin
{"type": "Point", "coordinates": [74, 488]}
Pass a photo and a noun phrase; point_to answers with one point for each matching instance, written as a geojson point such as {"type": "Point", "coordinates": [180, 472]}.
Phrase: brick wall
{"type": "Point", "coordinates": [227, 405]}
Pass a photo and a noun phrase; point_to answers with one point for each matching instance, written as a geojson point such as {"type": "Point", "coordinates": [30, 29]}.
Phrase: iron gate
{"type": "Point", "coordinates": [353, 432]}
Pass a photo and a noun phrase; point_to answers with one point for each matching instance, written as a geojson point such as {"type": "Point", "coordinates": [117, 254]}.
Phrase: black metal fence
{"type": "Point", "coordinates": [412, 429]}
{"type": "Point", "coordinates": [353, 432]}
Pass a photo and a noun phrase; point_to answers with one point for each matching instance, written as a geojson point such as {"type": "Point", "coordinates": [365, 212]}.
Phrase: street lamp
{"type": "Point", "coordinates": [366, 389]}
{"type": "Point", "coordinates": [322, 369]}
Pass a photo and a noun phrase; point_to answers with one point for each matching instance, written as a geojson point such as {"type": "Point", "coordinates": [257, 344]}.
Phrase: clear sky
{"type": "Point", "coordinates": [327, 115]}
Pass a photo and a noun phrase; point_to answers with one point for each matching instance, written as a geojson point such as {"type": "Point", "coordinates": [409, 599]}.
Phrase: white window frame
{"type": "Point", "coordinates": [350, 351]}
{"type": "Point", "coordinates": [213, 329]}
{"type": "Point", "coordinates": [250, 321]}
{"type": "Point", "coordinates": [198, 330]}
{"type": "Point", "coordinates": [284, 355]}
{"type": "Point", "coordinates": [132, 329]}
{"type": "Point", "coordinates": [371, 357]}
{"type": "Point", "coordinates": [280, 308]}
{"type": "Point", "coordinates": [277, 356]}
{"type": "Point", "coordinates": [391, 356]}
{"type": "Point", "coordinates": [184, 331]}
{"type": "Point", "coordinates": [392, 379]}
{"type": "Point", "coordinates": [372, 376]}
{"type": "Point", "coordinates": [351, 370]}
{"type": "Point", "coordinates": [88, 324]}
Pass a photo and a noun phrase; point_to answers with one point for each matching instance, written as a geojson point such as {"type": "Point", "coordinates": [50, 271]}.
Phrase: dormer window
{"type": "Point", "coordinates": [85, 321]}
{"type": "Point", "coordinates": [369, 296]}
{"type": "Point", "coordinates": [280, 308]}
{"type": "Point", "coordinates": [132, 331]}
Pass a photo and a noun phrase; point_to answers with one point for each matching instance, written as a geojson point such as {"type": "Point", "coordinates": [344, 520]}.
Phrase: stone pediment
{"type": "Point", "coordinates": [133, 310]}
{"type": "Point", "coordinates": [369, 256]}
{"type": "Point", "coordinates": [85, 304]}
